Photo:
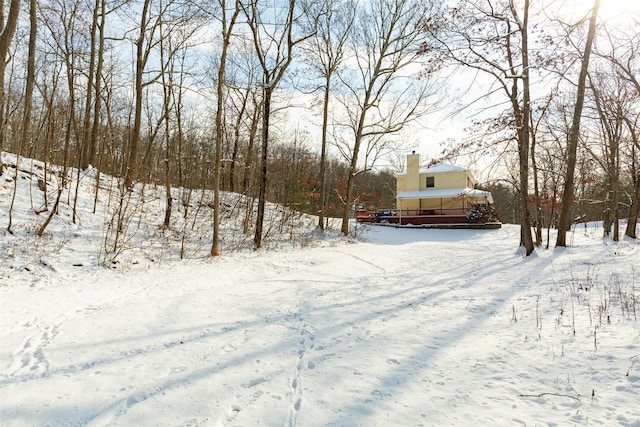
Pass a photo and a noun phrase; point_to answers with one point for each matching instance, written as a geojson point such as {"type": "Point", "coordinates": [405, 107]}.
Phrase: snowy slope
{"type": "Point", "coordinates": [397, 327]}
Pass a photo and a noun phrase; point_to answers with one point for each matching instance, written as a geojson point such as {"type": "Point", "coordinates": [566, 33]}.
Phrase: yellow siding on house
{"type": "Point", "coordinates": [410, 204]}
{"type": "Point", "coordinates": [401, 183]}
{"type": "Point", "coordinates": [450, 206]}
{"type": "Point", "coordinates": [445, 180]}
{"type": "Point", "coordinates": [412, 178]}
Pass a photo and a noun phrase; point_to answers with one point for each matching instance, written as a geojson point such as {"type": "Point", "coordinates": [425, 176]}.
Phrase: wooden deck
{"type": "Point", "coordinates": [456, 226]}
{"type": "Point", "coordinates": [430, 220]}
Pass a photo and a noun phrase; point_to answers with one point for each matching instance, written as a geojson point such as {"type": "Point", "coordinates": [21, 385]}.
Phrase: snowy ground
{"type": "Point", "coordinates": [397, 327]}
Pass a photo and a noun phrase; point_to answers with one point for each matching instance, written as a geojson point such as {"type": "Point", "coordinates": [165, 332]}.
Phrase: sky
{"type": "Point", "coordinates": [391, 326]}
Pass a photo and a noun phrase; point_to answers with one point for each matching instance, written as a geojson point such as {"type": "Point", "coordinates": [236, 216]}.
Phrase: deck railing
{"type": "Point", "coordinates": [414, 212]}
{"type": "Point", "coordinates": [431, 211]}
{"type": "Point", "coordinates": [422, 217]}
{"type": "Point", "coordinates": [364, 215]}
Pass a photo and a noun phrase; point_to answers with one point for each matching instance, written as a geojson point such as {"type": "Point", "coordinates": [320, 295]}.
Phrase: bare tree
{"type": "Point", "coordinates": [535, 126]}
{"type": "Point", "coordinates": [274, 41]}
{"type": "Point", "coordinates": [611, 99]}
{"type": "Point", "coordinates": [148, 25]}
{"type": "Point", "coordinates": [566, 209]}
{"type": "Point", "coordinates": [94, 145]}
{"type": "Point", "coordinates": [622, 50]}
{"type": "Point", "coordinates": [334, 21]}
{"type": "Point", "coordinates": [63, 23]}
{"type": "Point", "coordinates": [28, 96]}
{"type": "Point", "coordinates": [228, 24]}
{"type": "Point", "coordinates": [492, 37]}
{"type": "Point", "coordinates": [88, 145]}
{"type": "Point", "coordinates": [523, 125]}
{"type": "Point", "coordinates": [634, 208]}
{"type": "Point", "coordinates": [7, 30]}
{"type": "Point", "coordinates": [242, 113]}
{"type": "Point", "coordinates": [381, 92]}
{"type": "Point", "coordinates": [175, 30]}
{"type": "Point", "coordinates": [166, 78]}
{"type": "Point", "coordinates": [239, 101]}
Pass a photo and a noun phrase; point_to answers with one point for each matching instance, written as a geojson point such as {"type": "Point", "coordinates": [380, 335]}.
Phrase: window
{"type": "Point", "coordinates": [431, 181]}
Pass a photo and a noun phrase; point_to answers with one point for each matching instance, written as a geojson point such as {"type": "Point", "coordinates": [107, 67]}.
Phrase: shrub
{"type": "Point", "coordinates": [482, 213]}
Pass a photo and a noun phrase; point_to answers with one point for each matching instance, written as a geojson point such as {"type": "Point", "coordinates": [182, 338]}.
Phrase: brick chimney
{"type": "Point", "coordinates": [413, 172]}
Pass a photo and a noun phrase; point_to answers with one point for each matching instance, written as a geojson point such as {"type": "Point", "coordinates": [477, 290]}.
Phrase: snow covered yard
{"type": "Point", "coordinates": [406, 327]}
{"type": "Point", "coordinates": [396, 327]}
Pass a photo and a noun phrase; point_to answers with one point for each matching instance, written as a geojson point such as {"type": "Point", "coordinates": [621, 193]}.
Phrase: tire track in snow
{"type": "Point", "coordinates": [377, 266]}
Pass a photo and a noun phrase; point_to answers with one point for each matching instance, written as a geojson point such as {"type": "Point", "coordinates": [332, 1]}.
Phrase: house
{"type": "Point", "coordinates": [439, 193]}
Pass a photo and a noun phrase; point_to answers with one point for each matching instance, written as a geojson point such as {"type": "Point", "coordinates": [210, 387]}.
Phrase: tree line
{"type": "Point", "coordinates": [199, 94]}
{"type": "Point", "coordinates": [193, 93]}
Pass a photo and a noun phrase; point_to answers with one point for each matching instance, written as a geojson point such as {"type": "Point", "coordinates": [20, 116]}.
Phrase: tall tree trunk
{"type": "Point", "coordinates": [525, 137]}
{"type": "Point", "coordinates": [131, 166]}
{"type": "Point", "coordinates": [566, 209]}
{"type": "Point", "coordinates": [323, 151]}
{"type": "Point", "coordinates": [236, 141]}
{"type": "Point", "coordinates": [536, 189]}
{"type": "Point", "coordinates": [274, 60]}
{"type": "Point", "coordinates": [612, 209]}
{"type": "Point", "coordinates": [31, 70]}
{"type": "Point", "coordinates": [634, 210]}
{"type": "Point", "coordinates": [253, 132]}
{"type": "Point", "coordinates": [227, 30]}
{"type": "Point", "coordinates": [7, 29]}
{"type": "Point", "coordinates": [95, 145]}
{"type": "Point", "coordinates": [63, 181]}
{"type": "Point", "coordinates": [28, 97]}
{"type": "Point", "coordinates": [264, 157]}
{"type": "Point", "coordinates": [353, 167]}
{"type": "Point", "coordinates": [167, 93]}
{"type": "Point", "coordinates": [88, 145]}
{"type": "Point", "coordinates": [333, 22]}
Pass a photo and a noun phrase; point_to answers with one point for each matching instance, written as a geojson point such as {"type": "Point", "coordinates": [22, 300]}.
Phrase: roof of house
{"type": "Point", "coordinates": [439, 167]}
{"type": "Point", "coordinates": [442, 167]}
{"type": "Point", "coordinates": [445, 194]}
